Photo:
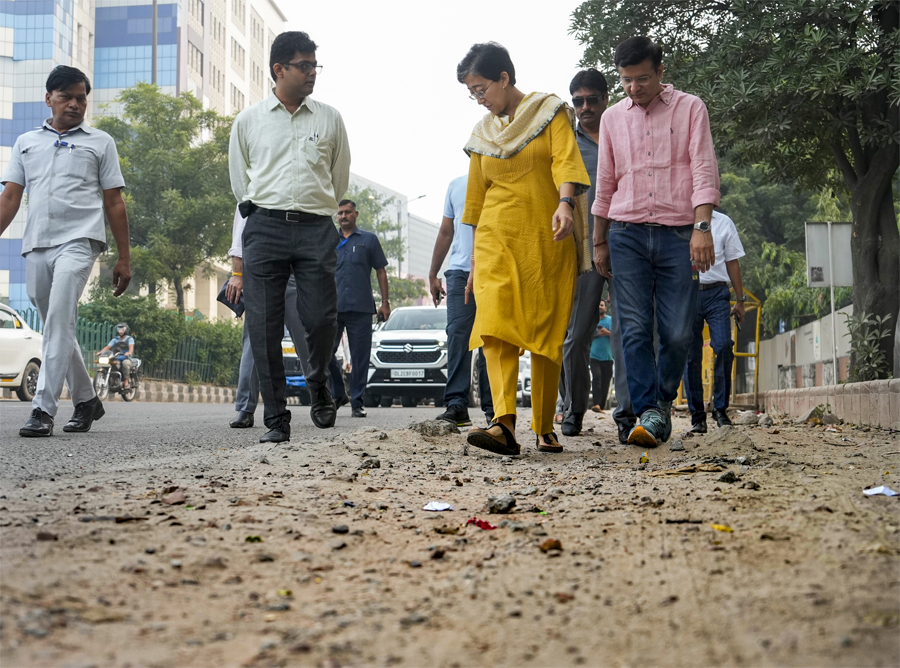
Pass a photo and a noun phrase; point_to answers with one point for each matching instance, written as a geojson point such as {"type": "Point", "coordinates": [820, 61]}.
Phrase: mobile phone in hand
{"type": "Point", "coordinates": [736, 321]}
{"type": "Point", "coordinates": [380, 317]}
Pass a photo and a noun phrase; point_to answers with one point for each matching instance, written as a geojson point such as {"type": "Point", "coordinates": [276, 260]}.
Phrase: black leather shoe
{"type": "Point", "coordinates": [277, 435]}
{"type": "Point", "coordinates": [322, 411]}
{"type": "Point", "coordinates": [571, 424]}
{"type": "Point", "coordinates": [699, 427]}
{"type": "Point", "coordinates": [244, 420]}
{"type": "Point", "coordinates": [343, 400]}
{"type": "Point", "coordinates": [85, 414]}
{"type": "Point", "coordinates": [722, 419]}
{"type": "Point", "coordinates": [39, 424]}
{"type": "Point", "coordinates": [359, 412]}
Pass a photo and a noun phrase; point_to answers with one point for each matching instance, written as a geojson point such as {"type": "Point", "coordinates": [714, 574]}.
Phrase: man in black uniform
{"type": "Point", "coordinates": [358, 253]}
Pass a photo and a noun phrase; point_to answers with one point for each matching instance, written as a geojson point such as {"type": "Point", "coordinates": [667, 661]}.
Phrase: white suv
{"type": "Point", "coordinates": [20, 354]}
{"type": "Point", "coordinates": [409, 358]}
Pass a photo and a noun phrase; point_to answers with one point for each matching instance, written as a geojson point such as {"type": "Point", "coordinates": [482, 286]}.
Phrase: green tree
{"type": "Point", "coordinates": [174, 156]}
{"type": "Point", "coordinates": [807, 88]}
{"type": "Point", "coordinates": [374, 217]}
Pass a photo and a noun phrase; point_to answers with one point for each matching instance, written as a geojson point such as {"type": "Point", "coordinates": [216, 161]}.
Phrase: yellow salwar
{"type": "Point", "coordinates": [524, 281]}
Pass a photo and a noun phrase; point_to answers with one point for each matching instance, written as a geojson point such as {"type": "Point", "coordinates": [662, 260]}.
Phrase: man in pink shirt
{"type": "Point", "coordinates": [657, 184]}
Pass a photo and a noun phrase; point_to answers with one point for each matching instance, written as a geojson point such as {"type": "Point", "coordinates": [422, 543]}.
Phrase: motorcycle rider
{"type": "Point", "coordinates": [122, 347]}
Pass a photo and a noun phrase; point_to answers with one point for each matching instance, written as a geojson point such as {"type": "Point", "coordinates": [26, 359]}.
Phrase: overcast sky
{"type": "Point", "coordinates": [390, 69]}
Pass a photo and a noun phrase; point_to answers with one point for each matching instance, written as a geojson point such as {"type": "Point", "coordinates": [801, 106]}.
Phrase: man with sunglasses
{"type": "Point", "coordinates": [289, 160]}
{"type": "Point", "coordinates": [590, 96]}
{"type": "Point", "coordinates": [657, 184]}
{"type": "Point", "coordinates": [74, 186]}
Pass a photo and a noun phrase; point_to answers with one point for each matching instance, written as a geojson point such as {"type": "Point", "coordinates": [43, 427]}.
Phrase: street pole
{"type": "Point", "coordinates": [153, 48]}
{"type": "Point", "coordinates": [834, 362]}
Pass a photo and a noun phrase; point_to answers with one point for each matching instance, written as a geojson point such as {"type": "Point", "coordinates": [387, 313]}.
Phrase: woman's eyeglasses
{"type": "Point", "coordinates": [592, 101]}
{"type": "Point", "coordinates": [479, 94]}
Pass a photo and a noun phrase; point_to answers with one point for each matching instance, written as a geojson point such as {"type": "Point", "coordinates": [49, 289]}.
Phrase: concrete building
{"type": "Point", "coordinates": [216, 49]}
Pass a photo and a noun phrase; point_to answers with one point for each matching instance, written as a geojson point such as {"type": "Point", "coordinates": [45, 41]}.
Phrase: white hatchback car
{"type": "Point", "coordinates": [20, 354]}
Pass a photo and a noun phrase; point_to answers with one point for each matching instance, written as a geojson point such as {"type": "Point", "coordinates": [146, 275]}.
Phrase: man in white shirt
{"type": "Point", "coordinates": [289, 161]}
{"type": "Point", "coordinates": [714, 307]}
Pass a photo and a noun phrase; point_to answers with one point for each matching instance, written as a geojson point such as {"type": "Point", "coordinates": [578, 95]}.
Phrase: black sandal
{"type": "Point", "coordinates": [545, 444]}
{"type": "Point", "coordinates": [480, 438]}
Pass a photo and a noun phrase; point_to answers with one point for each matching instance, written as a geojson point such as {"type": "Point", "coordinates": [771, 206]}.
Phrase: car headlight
{"type": "Point", "coordinates": [442, 345]}
{"type": "Point", "coordinates": [104, 360]}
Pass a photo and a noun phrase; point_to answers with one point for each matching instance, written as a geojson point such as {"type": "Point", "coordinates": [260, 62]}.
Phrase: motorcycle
{"type": "Point", "coordinates": [108, 378]}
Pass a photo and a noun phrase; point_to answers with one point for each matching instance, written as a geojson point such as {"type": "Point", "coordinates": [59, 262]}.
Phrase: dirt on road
{"type": "Point", "coordinates": [751, 546]}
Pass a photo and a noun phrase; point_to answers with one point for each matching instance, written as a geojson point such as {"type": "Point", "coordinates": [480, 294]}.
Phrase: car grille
{"type": "Point", "coordinates": [292, 366]}
{"type": "Point", "coordinates": [403, 357]}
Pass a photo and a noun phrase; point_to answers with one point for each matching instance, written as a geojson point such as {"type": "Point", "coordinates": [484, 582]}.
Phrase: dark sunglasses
{"type": "Point", "coordinates": [592, 100]}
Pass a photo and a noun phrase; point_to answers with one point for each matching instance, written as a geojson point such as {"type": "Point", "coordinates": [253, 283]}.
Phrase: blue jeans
{"type": "Point", "coordinates": [652, 271]}
{"type": "Point", "coordinates": [715, 308]}
{"type": "Point", "coordinates": [460, 319]}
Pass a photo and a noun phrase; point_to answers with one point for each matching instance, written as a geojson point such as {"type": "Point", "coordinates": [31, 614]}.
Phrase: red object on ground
{"type": "Point", "coordinates": [481, 524]}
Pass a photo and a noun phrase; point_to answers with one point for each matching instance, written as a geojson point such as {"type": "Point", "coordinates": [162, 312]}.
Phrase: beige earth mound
{"type": "Point", "coordinates": [760, 550]}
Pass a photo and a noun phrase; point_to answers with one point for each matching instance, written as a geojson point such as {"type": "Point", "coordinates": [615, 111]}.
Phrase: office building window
{"type": "Point", "coordinates": [195, 7]}
{"type": "Point", "coordinates": [195, 58]}
{"type": "Point", "coordinates": [238, 13]}
{"type": "Point", "coordinates": [237, 99]}
{"type": "Point", "coordinates": [238, 57]}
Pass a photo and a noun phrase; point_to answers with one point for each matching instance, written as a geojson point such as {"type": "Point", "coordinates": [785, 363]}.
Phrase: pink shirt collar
{"type": "Point", "coordinates": [665, 95]}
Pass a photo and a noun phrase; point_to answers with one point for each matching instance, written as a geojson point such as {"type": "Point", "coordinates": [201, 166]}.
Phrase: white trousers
{"type": "Point", "coordinates": [55, 278]}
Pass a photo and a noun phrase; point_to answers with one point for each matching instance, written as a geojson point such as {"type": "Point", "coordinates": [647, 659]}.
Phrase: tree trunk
{"type": "Point", "coordinates": [875, 247]}
{"type": "Point", "coordinates": [179, 295]}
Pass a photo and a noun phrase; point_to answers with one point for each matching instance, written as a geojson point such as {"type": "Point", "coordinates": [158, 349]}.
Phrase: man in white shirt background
{"type": "Point", "coordinates": [714, 307]}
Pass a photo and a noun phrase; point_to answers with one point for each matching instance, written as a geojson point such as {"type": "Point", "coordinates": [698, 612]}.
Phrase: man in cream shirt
{"type": "Point", "coordinates": [290, 165]}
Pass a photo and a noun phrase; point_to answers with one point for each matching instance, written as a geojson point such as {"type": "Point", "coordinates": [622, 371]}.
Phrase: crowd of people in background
{"type": "Point", "coordinates": [584, 234]}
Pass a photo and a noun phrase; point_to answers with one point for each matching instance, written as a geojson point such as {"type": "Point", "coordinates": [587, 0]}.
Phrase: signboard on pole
{"type": "Point", "coordinates": [820, 268]}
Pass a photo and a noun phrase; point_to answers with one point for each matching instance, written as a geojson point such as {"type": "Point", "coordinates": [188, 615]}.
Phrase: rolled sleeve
{"type": "Point", "coordinates": [15, 170]}
{"type": "Point", "coordinates": [110, 169]}
{"type": "Point", "coordinates": [237, 234]}
{"type": "Point", "coordinates": [704, 168]}
{"type": "Point", "coordinates": [606, 173]}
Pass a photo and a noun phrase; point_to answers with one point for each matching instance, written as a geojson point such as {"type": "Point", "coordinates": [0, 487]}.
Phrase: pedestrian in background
{"type": "Point", "coordinates": [74, 186]}
{"type": "Point", "coordinates": [590, 96]}
{"type": "Point", "coordinates": [601, 360]}
{"type": "Point", "coordinates": [657, 183]}
{"type": "Point", "coordinates": [715, 308]}
{"type": "Point", "coordinates": [289, 160]}
{"type": "Point", "coordinates": [456, 238]}
{"type": "Point", "coordinates": [525, 172]}
{"type": "Point", "coordinates": [247, 395]}
{"type": "Point", "coordinates": [358, 253]}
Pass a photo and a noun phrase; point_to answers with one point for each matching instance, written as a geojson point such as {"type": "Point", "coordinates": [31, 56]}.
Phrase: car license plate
{"type": "Point", "coordinates": [407, 373]}
{"type": "Point", "coordinates": [288, 351]}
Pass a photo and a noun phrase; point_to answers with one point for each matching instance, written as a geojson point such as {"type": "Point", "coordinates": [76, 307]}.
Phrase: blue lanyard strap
{"type": "Point", "coordinates": [344, 241]}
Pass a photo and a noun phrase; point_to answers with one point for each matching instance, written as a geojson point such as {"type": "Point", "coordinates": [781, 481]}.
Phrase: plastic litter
{"type": "Point", "coordinates": [880, 490]}
{"type": "Point", "coordinates": [481, 524]}
{"type": "Point", "coordinates": [644, 458]}
{"type": "Point", "coordinates": [253, 539]}
{"type": "Point", "coordinates": [723, 528]}
{"type": "Point", "coordinates": [437, 506]}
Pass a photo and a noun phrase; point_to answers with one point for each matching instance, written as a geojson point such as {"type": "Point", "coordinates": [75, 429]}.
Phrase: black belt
{"type": "Point", "coordinates": [710, 286]}
{"type": "Point", "coordinates": [647, 223]}
{"type": "Point", "coordinates": [289, 216]}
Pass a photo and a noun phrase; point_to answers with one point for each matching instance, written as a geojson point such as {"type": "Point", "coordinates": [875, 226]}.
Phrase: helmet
{"type": "Point", "coordinates": [122, 325]}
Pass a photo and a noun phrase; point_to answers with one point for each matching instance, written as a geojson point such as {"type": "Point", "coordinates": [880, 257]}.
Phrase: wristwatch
{"type": "Point", "coordinates": [568, 200]}
{"type": "Point", "coordinates": [703, 226]}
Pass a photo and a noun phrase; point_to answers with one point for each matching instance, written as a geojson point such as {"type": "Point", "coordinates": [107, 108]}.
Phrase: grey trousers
{"type": "Point", "coordinates": [54, 279]}
{"type": "Point", "coordinates": [248, 384]}
{"type": "Point", "coordinates": [575, 378]}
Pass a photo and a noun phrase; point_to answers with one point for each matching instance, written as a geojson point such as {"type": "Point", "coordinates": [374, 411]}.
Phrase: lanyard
{"type": "Point", "coordinates": [344, 241]}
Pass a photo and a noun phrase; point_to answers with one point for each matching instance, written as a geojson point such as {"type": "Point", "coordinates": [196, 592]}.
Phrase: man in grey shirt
{"type": "Point", "coordinates": [290, 165]}
{"type": "Point", "coordinates": [589, 97]}
{"type": "Point", "coordinates": [73, 177]}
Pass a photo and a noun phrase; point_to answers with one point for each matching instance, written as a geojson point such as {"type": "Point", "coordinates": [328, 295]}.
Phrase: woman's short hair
{"type": "Point", "coordinates": [590, 79]}
{"type": "Point", "coordinates": [286, 45]}
{"type": "Point", "coordinates": [488, 60]}
{"type": "Point", "coordinates": [63, 76]}
{"type": "Point", "coordinates": [635, 50]}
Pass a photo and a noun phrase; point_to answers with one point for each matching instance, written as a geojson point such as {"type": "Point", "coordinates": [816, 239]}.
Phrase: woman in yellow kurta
{"type": "Point", "coordinates": [525, 198]}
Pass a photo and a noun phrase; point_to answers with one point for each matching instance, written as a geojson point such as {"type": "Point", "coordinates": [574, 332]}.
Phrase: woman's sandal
{"type": "Point", "coordinates": [547, 444]}
{"type": "Point", "coordinates": [481, 438]}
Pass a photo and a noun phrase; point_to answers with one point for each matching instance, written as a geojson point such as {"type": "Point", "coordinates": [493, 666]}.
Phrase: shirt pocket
{"type": "Point", "coordinates": [82, 165]}
{"type": "Point", "coordinates": [359, 255]}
